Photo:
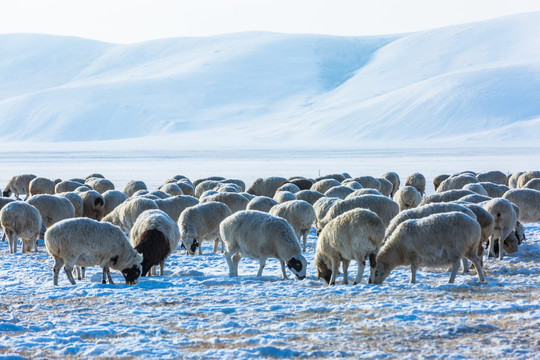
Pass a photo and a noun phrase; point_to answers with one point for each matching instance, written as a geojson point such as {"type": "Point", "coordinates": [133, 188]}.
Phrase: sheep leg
{"type": "Point", "coordinates": [216, 244]}
{"type": "Point", "coordinates": [501, 242]}
{"type": "Point", "coordinates": [335, 270]}
{"type": "Point", "coordinates": [104, 275]}
{"type": "Point", "coordinates": [161, 267]}
{"type": "Point", "coordinates": [455, 269]}
{"type": "Point", "coordinates": [200, 248]}
{"type": "Point", "coordinates": [360, 273]}
{"type": "Point", "coordinates": [414, 268]}
{"type": "Point", "coordinates": [108, 271]}
{"type": "Point", "coordinates": [83, 272]}
{"type": "Point", "coordinates": [262, 264]}
{"type": "Point", "coordinates": [58, 263]}
{"type": "Point", "coordinates": [304, 239]}
{"type": "Point", "coordinates": [283, 270]}
{"type": "Point", "coordinates": [78, 270]}
{"type": "Point", "coordinates": [345, 271]}
{"type": "Point", "coordinates": [4, 236]}
{"type": "Point", "coordinates": [465, 265]}
{"type": "Point", "coordinates": [12, 243]}
{"type": "Point", "coordinates": [69, 272]}
{"type": "Point", "coordinates": [478, 264]}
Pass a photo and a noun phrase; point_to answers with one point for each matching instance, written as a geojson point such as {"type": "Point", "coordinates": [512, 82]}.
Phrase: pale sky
{"type": "Point", "coordinates": [127, 21]}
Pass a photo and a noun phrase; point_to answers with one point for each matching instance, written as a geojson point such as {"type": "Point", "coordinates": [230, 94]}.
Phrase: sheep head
{"type": "Point", "coordinates": [298, 266]}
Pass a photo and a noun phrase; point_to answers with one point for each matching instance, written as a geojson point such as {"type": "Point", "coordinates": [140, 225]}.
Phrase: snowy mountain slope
{"type": "Point", "coordinates": [474, 83]}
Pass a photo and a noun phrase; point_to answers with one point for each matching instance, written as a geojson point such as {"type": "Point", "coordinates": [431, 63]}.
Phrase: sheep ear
{"type": "Point", "coordinates": [114, 260]}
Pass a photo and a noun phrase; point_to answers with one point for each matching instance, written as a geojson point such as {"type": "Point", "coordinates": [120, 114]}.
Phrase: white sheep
{"type": "Point", "coordinates": [407, 198]}
{"type": "Point", "coordinates": [171, 189]}
{"type": "Point", "coordinates": [393, 177]}
{"type": "Point", "coordinates": [526, 177]}
{"type": "Point", "coordinates": [67, 186]}
{"type": "Point", "coordinates": [186, 186]}
{"type": "Point", "coordinates": [160, 194]}
{"type": "Point", "coordinates": [474, 199]}
{"type": "Point", "coordinates": [321, 207]}
{"type": "Point", "coordinates": [505, 220]}
{"type": "Point", "coordinates": [324, 185]}
{"type": "Point", "coordinates": [456, 182]}
{"type": "Point", "coordinates": [311, 196]}
{"type": "Point", "coordinates": [213, 178]}
{"type": "Point", "coordinates": [299, 214]}
{"type": "Point", "coordinates": [93, 204]}
{"type": "Point", "coordinates": [417, 181]}
{"type": "Point", "coordinates": [288, 187]}
{"type": "Point", "coordinates": [247, 196]}
{"type": "Point", "coordinates": [201, 222]}
{"type": "Point", "coordinates": [205, 186]}
{"type": "Point", "coordinates": [339, 191]}
{"type": "Point", "coordinates": [234, 201]}
{"type": "Point", "coordinates": [284, 196]}
{"type": "Point", "coordinates": [434, 241]}
{"type": "Point", "coordinates": [100, 185]}
{"type": "Point", "coordinates": [496, 177]}
{"type": "Point", "coordinates": [437, 180]}
{"type": "Point", "coordinates": [125, 214]}
{"type": "Point", "coordinates": [262, 203]}
{"type": "Point", "coordinates": [259, 236]}
{"type": "Point", "coordinates": [338, 177]}
{"type": "Point", "coordinates": [20, 220]}
{"type": "Point", "coordinates": [366, 191]}
{"type": "Point", "coordinates": [133, 186]}
{"type": "Point", "coordinates": [76, 200]}
{"type": "Point", "coordinates": [477, 188]}
{"type": "Point", "coordinates": [386, 186]}
{"type": "Point", "coordinates": [266, 186]}
{"type": "Point", "coordinates": [18, 185]}
{"type": "Point", "coordinates": [112, 199]}
{"type": "Point", "coordinates": [354, 235]}
{"type": "Point", "coordinates": [52, 209]}
{"type": "Point", "coordinates": [355, 185]}
{"type": "Point", "coordinates": [533, 184]}
{"type": "Point", "coordinates": [513, 179]}
{"type": "Point", "coordinates": [494, 190]}
{"type": "Point", "coordinates": [237, 182]}
{"type": "Point", "coordinates": [155, 236]}
{"type": "Point", "coordinates": [94, 175]}
{"type": "Point", "coordinates": [86, 242]}
{"type": "Point", "coordinates": [228, 188]}
{"type": "Point", "coordinates": [174, 206]}
{"type": "Point", "coordinates": [528, 201]}
{"type": "Point", "coordinates": [368, 182]}
{"type": "Point", "coordinates": [446, 196]}
{"type": "Point", "coordinates": [302, 183]}
{"type": "Point", "coordinates": [41, 185]}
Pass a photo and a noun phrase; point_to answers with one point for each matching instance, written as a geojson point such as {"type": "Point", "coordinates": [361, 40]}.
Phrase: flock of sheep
{"type": "Point", "coordinates": [86, 222]}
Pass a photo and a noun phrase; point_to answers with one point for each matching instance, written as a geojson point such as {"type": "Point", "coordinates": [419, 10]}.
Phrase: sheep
{"type": "Point", "coordinates": [368, 182]}
{"type": "Point", "coordinates": [288, 187]}
{"type": "Point", "coordinates": [155, 236]}
{"type": "Point", "coordinates": [324, 185]}
{"type": "Point", "coordinates": [83, 188]}
{"type": "Point", "coordinates": [174, 206]}
{"type": "Point", "coordinates": [299, 214]}
{"type": "Point", "coordinates": [477, 188]}
{"type": "Point", "coordinates": [533, 184]}
{"type": "Point", "coordinates": [93, 204]}
{"type": "Point", "coordinates": [354, 235]}
{"type": "Point", "coordinates": [303, 184]}
{"type": "Point", "coordinates": [339, 192]}
{"type": "Point", "coordinates": [262, 203]}
{"type": "Point", "coordinates": [513, 179]}
{"type": "Point", "coordinates": [19, 185]}
{"type": "Point", "coordinates": [433, 241]}
{"type": "Point", "coordinates": [171, 189]}
{"type": "Point", "coordinates": [310, 196]}
{"type": "Point", "coordinates": [284, 196]}
{"type": "Point", "coordinates": [259, 236]}
{"type": "Point", "coordinates": [160, 194]}
{"type": "Point", "coordinates": [248, 196]}
{"type": "Point", "coordinates": [526, 177]}
{"type": "Point", "coordinates": [112, 199]}
{"type": "Point", "coordinates": [234, 201]}
{"type": "Point", "coordinates": [494, 190]}
{"type": "Point", "coordinates": [20, 220]}
{"type": "Point", "coordinates": [237, 182]}
{"type": "Point", "coordinates": [338, 177]}
{"type": "Point", "coordinates": [79, 180]}
{"type": "Point", "coordinates": [201, 222]}
{"type": "Point", "coordinates": [355, 185]}
{"type": "Point", "coordinates": [231, 188]}
{"type": "Point", "coordinates": [386, 186]}
{"type": "Point", "coordinates": [133, 186]}
{"type": "Point", "coordinates": [207, 193]}
{"type": "Point", "coordinates": [496, 177]}
{"type": "Point", "coordinates": [87, 242]}
{"type": "Point", "coordinates": [437, 180]}
{"type": "Point", "coordinates": [205, 186]}
{"type": "Point", "coordinates": [417, 181]}
{"type": "Point", "coordinates": [266, 186]}
{"type": "Point", "coordinates": [4, 201]}
{"type": "Point", "coordinates": [393, 177]}
{"type": "Point", "coordinates": [52, 209]}
{"type": "Point", "coordinates": [474, 199]}
{"type": "Point", "coordinates": [66, 186]}
{"type": "Point", "coordinates": [125, 214]}
{"type": "Point", "coordinates": [100, 185]}
{"type": "Point", "coordinates": [94, 175]}
{"type": "Point", "coordinates": [41, 185]}
{"type": "Point", "coordinates": [384, 207]}
{"type": "Point", "coordinates": [321, 207]}
{"type": "Point", "coordinates": [528, 201]}
{"type": "Point", "coordinates": [446, 196]}
{"type": "Point", "coordinates": [505, 219]}
{"type": "Point", "coordinates": [360, 192]}
{"type": "Point", "coordinates": [186, 187]}
{"type": "Point", "coordinates": [141, 192]}
{"type": "Point", "coordinates": [456, 182]}
{"type": "Point", "coordinates": [75, 200]}
{"type": "Point", "coordinates": [212, 178]}
{"type": "Point", "coordinates": [407, 198]}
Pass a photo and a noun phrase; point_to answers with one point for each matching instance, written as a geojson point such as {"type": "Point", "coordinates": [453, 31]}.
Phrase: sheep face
{"type": "Point", "coordinates": [190, 244]}
{"type": "Point", "coordinates": [132, 274]}
{"type": "Point", "coordinates": [298, 266]}
{"type": "Point", "coordinates": [381, 272]}
{"type": "Point", "coordinates": [6, 193]}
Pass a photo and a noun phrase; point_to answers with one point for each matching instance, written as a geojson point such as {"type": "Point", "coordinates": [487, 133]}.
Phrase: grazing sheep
{"type": "Point", "coordinates": [303, 184]}
{"type": "Point", "coordinates": [533, 184]}
{"type": "Point", "coordinates": [94, 175]}
{"type": "Point", "coordinates": [19, 185]}
{"type": "Point", "coordinates": [201, 222]}
{"type": "Point", "coordinates": [93, 204]}
{"type": "Point", "coordinates": [76, 200]}
{"type": "Point", "coordinates": [284, 196]}
{"type": "Point", "coordinates": [259, 236]}
{"type": "Point", "coordinates": [513, 179]}
{"type": "Point", "coordinates": [174, 206]}
{"type": "Point", "coordinates": [228, 188]}
{"type": "Point", "coordinates": [474, 199]}
{"type": "Point", "coordinates": [417, 181]}
{"type": "Point", "coordinates": [262, 203]}
{"type": "Point", "coordinates": [360, 192]}
{"type": "Point", "coordinates": [248, 196]}
{"type": "Point", "coordinates": [52, 209]}
{"type": "Point", "coordinates": [407, 198]}
{"type": "Point", "coordinates": [354, 235]}
{"type": "Point", "coordinates": [437, 180]}
{"type": "Point", "coordinates": [155, 236]}
{"type": "Point", "coordinates": [267, 186]}
{"type": "Point", "coordinates": [204, 186]}
{"type": "Point", "coordinates": [212, 178]}
{"type": "Point", "coordinates": [338, 177]}
{"type": "Point", "coordinates": [528, 201]}
{"type": "Point", "coordinates": [67, 186]}
{"type": "Point", "coordinates": [207, 193]}
{"type": "Point", "coordinates": [125, 214]}
{"type": "Point", "coordinates": [100, 185]}
{"type": "Point", "coordinates": [20, 221]}
{"type": "Point", "coordinates": [494, 190]}
{"type": "Point", "coordinates": [496, 177]}
{"type": "Point", "coordinates": [234, 201]}
{"type": "Point", "coordinates": [141, 192]}
{"type": "Point", "coordinates": [112, 199]}
{"type": "Point", "coordinates": [41, 185]}
{"type": "Point", "coordinates": [321, 207]}
{"type": "Point", "coordinates": [393, 177]}
{"type": "Point", "coordinates": [237, 182]}
{"type": "Point", "coordinates": [526, 177]}
{"type": "Point", "coordinates": [355, 185]}
{"type": "Point", "coordinates": [386, 186]}
{"type": "Point", "coordinates": [171, 189]}
{"type": "Point", "coordinates": [133, 186]}
{"type": "Point", "coordinates": [505, 220]}
{"type": "Point", "coordinates": [186, 187]}
{"type": "Point", "coordinates": [160, 194]}
{"type": "Point", "coordinates": [446, 196]}
{"type": "Point", "coordinates": [477, 188]}
{"type": "Point", "coordinates": [299, 214]}
{"type": "Point", "coordinates": [86, 242]}
{"type": "Point", "coordinates": [311, 196]}
{"type": "Point", "coordinates": [339, 192]}
{"type": "Point", "coordinates": [368, 182]}
{"type": "Point", "coordinates": [434, 241]}
{"type": "Point", "coordinates": [324, 185]}
{"type": "Point", "coordinates": [288, 187]}
{"type": "Point", "coordinates": [456, 182]}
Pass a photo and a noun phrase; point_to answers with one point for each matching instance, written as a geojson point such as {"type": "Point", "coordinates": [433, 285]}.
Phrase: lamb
{"type": "Point", "coordinates": [393, 177]}
{"type": "Point", "coordinates": [457, 182]}
{"type": "Point", "coordinates": [494, 190]}
{"type": "Point", "coordinates": [299, 214]}
{"type": "Point", "coordinates": [505, 220]}
{"type": "Point", "coordinates": [75, 200]}
{"type": "Point", "coordinates": [100, 185]}
{"type": "Point", "coordinates": [87, 242]}
{"type": "Point", "coordinates": [262, 203]}
{"type": "Point", "coordinates": [339, 192]}
{"type": "Point", "coordinates": [171, 189]}
{"type": "Point", "coordinates": [133, 186]}
{"type": "Point", "coordinates": [324, 185]}
{"type": "Point", "coordinates": [437, 180]}
{"type": "Point", "coordinates": [436, 240]}
{"type": "Point", "coordinates": [528, 201]}
{"type": "Point", "coordinates": [477, 188]}
{"type": "Point", "coordinates": [360, 192]}
{"type": "Point", "coordinates": [155, 236]}
{"type": "Point", "coordinates": [526, 177]}
{"type": "Point", "coordinates": [354, 235]}
{"type": "Point", "coordinates": [112, 199]}
{"type": "Point", "coordinates": [310, 196]}
{"type": "Point", "coordinates": [267, 186]}
{"type": "Point", "coordinates": [533, 184]}
{"type": "Point", "coordinates": [407, 198]}
{"type": "Point", "coordinates": [174, 206]}
{"type": "Point", "coordinates": [446, 196]}
{"type": "Point", "coordinates": [41, 185]}
{"type": "Point", "coordinates": [67, 186]}
{"type": "Point", "coordinates": [201, 222]}
{"type": "Point", "coordinates": [20, 220]}
{"type": "Point", "coordinates": [284, 196]}
{"type": "Point", "coordinates": [19, 185]}
{"type": "Point", "coordinates": [125, 214]}
{"type": "Point", "coordinates": [496, 177]}
{"type": "Point", "coordinates": [417, 181]}
{"type": "Point", "coordinates": [386, 186]}
{"type": "Point", "coordinates": [513, 179]}
{"type": "Point", "coordinates": [368, 182]}
{"type": "Point", "coordinates": [234, 201]}
{"type": "Point", "coordinates": [93, 204]}
{"type": "Point", "coordinates": [52, 209]}
{"type": "Point", "coordinates": [259, 236]}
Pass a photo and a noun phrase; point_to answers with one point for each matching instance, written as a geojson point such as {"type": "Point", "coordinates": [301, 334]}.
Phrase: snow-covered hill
{"type": "Point", "coordinates": [478, 84]}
